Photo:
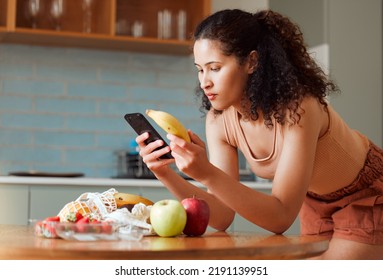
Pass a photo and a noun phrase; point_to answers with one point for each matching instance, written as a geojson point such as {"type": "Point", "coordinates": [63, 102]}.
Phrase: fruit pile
{"type": "Point", "coordinates": [165, 218]}
{"type": "Point", "coordinates": [96, 213]}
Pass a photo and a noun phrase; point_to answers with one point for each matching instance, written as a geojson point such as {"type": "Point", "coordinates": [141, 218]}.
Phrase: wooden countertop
{"type": "Point", "coordinates": [19, 242]}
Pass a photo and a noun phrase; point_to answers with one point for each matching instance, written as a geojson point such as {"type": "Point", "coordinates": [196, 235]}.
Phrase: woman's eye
{"type": "Point", "coordinates": [215, 69]}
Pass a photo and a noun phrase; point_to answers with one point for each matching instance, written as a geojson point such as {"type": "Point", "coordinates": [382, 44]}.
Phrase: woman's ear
{"type": "Point", "coordinates": [253, 61]}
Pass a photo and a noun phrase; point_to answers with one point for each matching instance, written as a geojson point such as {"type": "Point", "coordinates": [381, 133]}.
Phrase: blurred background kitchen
{"type": "Point", "coordinates": [62, 108]}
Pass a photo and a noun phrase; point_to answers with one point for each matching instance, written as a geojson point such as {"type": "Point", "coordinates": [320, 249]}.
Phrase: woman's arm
{"type": "Point", "coordinates": [275, 212]}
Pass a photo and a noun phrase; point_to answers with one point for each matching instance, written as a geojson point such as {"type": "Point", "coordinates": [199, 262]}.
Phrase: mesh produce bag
{"type": "Point", "coordinates": [97, 204]}
{"type": "Point", "coordinates": [100, 203]}
{"type": "Point", "coordinates": [74, 206]}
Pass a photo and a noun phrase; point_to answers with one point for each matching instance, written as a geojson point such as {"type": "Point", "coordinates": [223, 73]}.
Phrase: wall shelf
{"type": "Point", "coordinates": [15, 26]}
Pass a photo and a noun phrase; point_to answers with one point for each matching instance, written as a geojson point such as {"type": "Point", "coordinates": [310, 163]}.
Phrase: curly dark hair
{"type": "Point", "coordinates": [285, 72]}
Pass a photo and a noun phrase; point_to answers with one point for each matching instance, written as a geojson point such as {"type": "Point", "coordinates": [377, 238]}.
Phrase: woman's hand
{"type": "Point", "coordinates": [190, 158]}
{"type": "Point", "coordinates": [151, 156]}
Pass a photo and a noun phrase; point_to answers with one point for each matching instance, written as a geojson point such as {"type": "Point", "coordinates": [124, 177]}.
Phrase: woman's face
{"type": "Point", "coordinates": [221, 77]}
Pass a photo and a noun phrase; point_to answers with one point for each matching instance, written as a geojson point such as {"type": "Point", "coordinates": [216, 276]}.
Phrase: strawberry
{"type": "Point", "coordinates": [83, 220]}
{"type": "Point", "coordinates": [47, 226]}
{"type": "Point", "coordinates": [49, 230]}
{"type": "Point", "coordinates": [96, 226]}
{"type": "Point", "coordinates": [52, 219]}
{"type": "Point", "coordinates": [74, 217]}
{"type": "Point", "coordinates": [106, 227]}
{"type": "Point", "coordinates": [82, 224]}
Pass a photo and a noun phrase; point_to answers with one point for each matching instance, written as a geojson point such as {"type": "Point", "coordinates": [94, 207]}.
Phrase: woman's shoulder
{"type": "Point", "coordinates": [311, 107]}
{"type": "Point", "coordinates": [310, 117]}
{"type": "Point", "coordinates": [313, 115]}
{"type": "Point", "coordinates": [312, 103]}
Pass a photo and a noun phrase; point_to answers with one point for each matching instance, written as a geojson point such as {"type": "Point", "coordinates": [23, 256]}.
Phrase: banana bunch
{"type": "Point", "coordinates": [128, 200]}
{"type": "Point", "coordinates": [169, 123]}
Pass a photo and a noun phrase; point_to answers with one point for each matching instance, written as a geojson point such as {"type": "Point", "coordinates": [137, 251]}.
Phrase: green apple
{"type": "Point", "coordinates": [168, 217]}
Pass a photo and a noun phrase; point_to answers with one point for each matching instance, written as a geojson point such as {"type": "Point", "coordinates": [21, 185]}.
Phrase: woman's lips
{"type": "Point", "coordinates": [211, 96]}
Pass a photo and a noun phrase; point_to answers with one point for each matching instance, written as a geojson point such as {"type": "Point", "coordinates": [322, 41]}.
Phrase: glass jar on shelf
{"type": "Point", "coordinates": [56, 13]}
{"type": "Point", "coordinates": [33, 11]}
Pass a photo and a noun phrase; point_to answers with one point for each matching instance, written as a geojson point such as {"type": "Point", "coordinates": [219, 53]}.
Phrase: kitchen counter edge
{"type": "Point", "coordinates": [86, 181]}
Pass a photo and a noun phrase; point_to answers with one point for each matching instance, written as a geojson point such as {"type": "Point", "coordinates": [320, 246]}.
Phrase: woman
{"type": "Point", "coordinates": [265, 96]}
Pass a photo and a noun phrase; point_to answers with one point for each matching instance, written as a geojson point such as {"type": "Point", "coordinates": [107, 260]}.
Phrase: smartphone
{"type": "Point", "coordinates": [140, 124]}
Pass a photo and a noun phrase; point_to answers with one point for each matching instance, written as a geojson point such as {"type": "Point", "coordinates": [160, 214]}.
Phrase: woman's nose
{"type": "Point", "coordinates": [205, 82]}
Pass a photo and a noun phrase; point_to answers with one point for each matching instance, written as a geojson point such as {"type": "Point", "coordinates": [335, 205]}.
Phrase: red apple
{"type": "Point", "coordinates": [197, 216]}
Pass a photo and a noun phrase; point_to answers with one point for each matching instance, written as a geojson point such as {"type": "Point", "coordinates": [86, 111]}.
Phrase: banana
{"type": "Point", "coordinates": [169, 123]}
{"type": "Point", "coordinates": [129, 200]}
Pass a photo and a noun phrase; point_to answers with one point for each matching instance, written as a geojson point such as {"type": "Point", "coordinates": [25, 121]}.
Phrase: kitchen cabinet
{"type": "Point", "coordinates": [14, 204]}
{"type": "Point", "coordinates": [241, 224]}
{"type": "Point", "coordinates": [3, 14]}
{"type": "Point", "coordinates": [110, 26]}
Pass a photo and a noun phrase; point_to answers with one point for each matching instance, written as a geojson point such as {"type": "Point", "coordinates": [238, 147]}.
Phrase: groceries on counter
{"type": "Point", "coordinates": [99, 204]}
{"type": "Point", "coordinates": [92, 216]}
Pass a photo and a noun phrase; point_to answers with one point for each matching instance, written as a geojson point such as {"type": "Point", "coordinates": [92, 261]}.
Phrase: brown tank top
{"type": "Point", "coordinates": [340, 152]}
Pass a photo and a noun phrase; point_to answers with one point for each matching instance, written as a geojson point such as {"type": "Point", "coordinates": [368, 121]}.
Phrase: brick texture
{"type": "Point", "coordinates": [61, 109]}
